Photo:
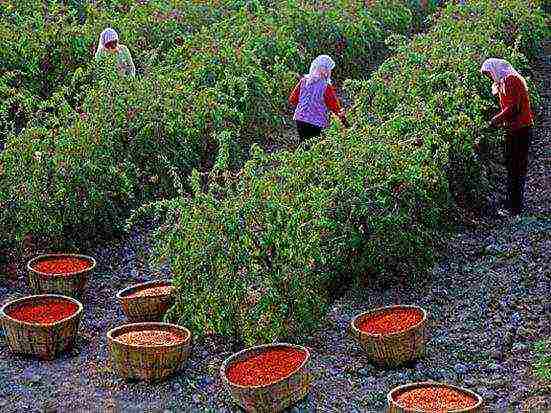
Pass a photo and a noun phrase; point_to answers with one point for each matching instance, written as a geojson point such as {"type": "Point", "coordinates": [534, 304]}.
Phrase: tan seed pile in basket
{"type": "Point", "coordinates": [151, 338]}
{"type": "Point", "coordinates": [153, 291]}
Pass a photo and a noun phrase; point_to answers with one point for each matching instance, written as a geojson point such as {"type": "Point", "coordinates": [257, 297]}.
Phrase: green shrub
{"type": "Point", "coordinates": [212, 81]}
{"type": "Point", "coordinates": [543, 362]}
{"type": "Point", "coordinates": [257, 254]}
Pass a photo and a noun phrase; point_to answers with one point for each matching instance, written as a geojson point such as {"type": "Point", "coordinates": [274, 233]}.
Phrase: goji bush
{"type": "Point", "coordinates": [85, 146]}
{"type": "Point", "coordinates": [258, 253]}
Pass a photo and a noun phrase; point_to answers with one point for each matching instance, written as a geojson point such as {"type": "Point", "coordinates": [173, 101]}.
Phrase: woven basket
{"type": "Point", "coordinates": [273, 397]}
{"type": "Point", "coordinates": [396, 348]}
{"type": "Point", "coordinates": [142, 309]}
{"type": "Point", "coordinates": [71, 285]}
{"type": "Point", "coordinates": [393, 407]}
{"type": "Point", "coordinates": [148, 363]}
{"type": "Point", "coordinates": [45, 341]}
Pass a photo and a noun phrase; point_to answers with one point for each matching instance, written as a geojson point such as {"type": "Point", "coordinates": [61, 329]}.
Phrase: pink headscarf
{"type": "Point", "coordinates": [499, 69]}
{"type": "Point", "coordinates": [321, 64]}
{"type": "Point", "coordinates": [106, 36]}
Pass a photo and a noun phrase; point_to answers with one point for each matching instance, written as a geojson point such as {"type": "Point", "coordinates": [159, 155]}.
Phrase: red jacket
{"type": "Point", "coordinates": [515, 105]}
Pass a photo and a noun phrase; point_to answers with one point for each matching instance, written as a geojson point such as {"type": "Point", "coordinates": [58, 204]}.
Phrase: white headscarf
{"type": "Point", "coordinates": [499, 69]}
{"type": "Point", "coordinates": [320, 63]}
{"type": "Point", "coordinates": [106, 36]}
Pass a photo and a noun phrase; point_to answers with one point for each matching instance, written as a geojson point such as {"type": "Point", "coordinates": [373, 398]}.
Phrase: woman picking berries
{"type": "Point", "coordinates": [516, 116]}
{"type": "Point", "coordinates": [314, 97]}
{"type": "Point", "coordinates": [109, 43]}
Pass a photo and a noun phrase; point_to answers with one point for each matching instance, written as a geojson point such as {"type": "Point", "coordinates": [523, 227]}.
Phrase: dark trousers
{"type": "Point", "coordinates": [307, 130]}
{"type": "Point", "coordinates": [517, 144]}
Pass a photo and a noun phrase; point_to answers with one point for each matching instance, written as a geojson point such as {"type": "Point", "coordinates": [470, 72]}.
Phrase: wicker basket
{"type": "Point", "coordinates": [45, 341]}
{"type": "Point", "coordinates": [148, 363]}
{"type": "Point", "coordinates": [273, 397]}
{"type": "Point", "coordinates": [71, 285]}
{"type": "Point", "coordinates": [393, 407]}
{"type": "Point", "coordinates": [392, 349]}
{"type": "Point", "coordinates": [142, 309]}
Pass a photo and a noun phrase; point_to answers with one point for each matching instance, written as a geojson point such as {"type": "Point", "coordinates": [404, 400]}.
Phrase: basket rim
{"type": "Point", "coordinates": [391, 394]}
{"type": "Point", "coordinates": [230, 359]}
{"type": "Point", "coordinates": [123, 294]}
{"type": "Point", "coordinates": [144, 325]}
{"type": "Point", "coordinates": [390, 307]}
{"type": "Point", "coordinates": [79, 311]}
{"type": "Point", "coordinates": [57, 255]}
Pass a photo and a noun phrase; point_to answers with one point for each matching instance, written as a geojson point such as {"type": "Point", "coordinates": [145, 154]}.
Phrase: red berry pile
{"type": "Point", "coordinates": [151, 338]}
{"type": "Point", "coordinates": [390, 321]}
{"type": "Point", "coordinates": [61, 265]}
{"type": "Point", "coordinates": [434, 399]}
{"type": "Point", "coordinates": [153, 292]}
{"type": "Point", "coordinates": [266, 368]}
{"type": "Point", "coordinates": [44, 313]}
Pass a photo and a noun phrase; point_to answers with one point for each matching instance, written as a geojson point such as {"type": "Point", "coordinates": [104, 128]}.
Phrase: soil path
{"type": "Point", "coordinates": [488, 302]}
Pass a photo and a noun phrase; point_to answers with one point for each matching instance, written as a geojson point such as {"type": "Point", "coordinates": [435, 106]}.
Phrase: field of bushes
{"type": "Point", "coordinates": [257, 242]}
{"type": "Point", "coordinates": [83, 146]}
{"type": "Point", "coordinates": [258, 255]}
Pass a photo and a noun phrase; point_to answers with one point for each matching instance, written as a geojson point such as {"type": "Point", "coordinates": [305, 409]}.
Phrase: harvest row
{"type": "Point", "coordinates": [84, 146]}
{"type": "Point", "coordinates": [259, 256]}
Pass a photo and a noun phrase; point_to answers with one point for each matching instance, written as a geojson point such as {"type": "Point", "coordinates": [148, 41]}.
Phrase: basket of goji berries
{"type": "Point", "coordinates": [65, 274]}
{"type": "Point", "coordinates": [147, 301]}
{"type": "Point", "coordinates": [148, 351]}
{"type": "Point", "coordinates": [391, 336]}
{"type": "Point", "coordinates": [42, 326]}
{"type": "Point", "coordinates": [433, 397]}
{"type": "Point", "coordinates": [268, 378]}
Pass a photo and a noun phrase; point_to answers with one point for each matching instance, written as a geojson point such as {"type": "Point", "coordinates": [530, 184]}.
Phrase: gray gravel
{"type": "Point", "coordinates": [488, 302]}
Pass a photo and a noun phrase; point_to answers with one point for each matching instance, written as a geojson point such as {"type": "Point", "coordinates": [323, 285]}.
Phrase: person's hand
{"type": "Point", "coordinates": [343, 119]}
{"type": "Point", "coordinates": [345, 122]}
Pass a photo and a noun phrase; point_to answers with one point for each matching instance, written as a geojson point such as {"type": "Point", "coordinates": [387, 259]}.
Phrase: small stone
{"type": "Point", "coordinates": [496, 249]}
{"type": "Point", "coordinates": [520, 347]}
{"type": "Point", "coordinates": [3, 402]}
{"type": "Point", "coordinates": [435, 374]}
{"type": "Point", "coordinates": [205, 381]}
{"type": "Point", "coordinates": [487, 394]}
{"type": "Point", "coordinates": [31, 377]}
{"type": "Point", "coordinates": [493, 367]}
{"type": "Point", "coordinates": [404, 377]}
{"type": "Point", "coordinates": [366, 371]}
{"type": "Point", "coordinates": [460, 369]}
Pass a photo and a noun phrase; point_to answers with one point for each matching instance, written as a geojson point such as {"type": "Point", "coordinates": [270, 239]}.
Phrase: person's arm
{"type": "Point", "coordinates": [510, 101]}
{"type": "Point", "coordinates": [293, 98]}
{"type": "Point", "coordinates": [332, 102]}
{"type": "Point", "coordinates": [130, 69]}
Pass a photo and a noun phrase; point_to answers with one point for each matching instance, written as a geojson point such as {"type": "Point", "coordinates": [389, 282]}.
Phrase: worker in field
{"type": "Point", "coordinates": [109, 43]}
{"type": "Point", "coordinates": [517, 118]}
{"type": "Point", "coordinates": [314, 98]}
